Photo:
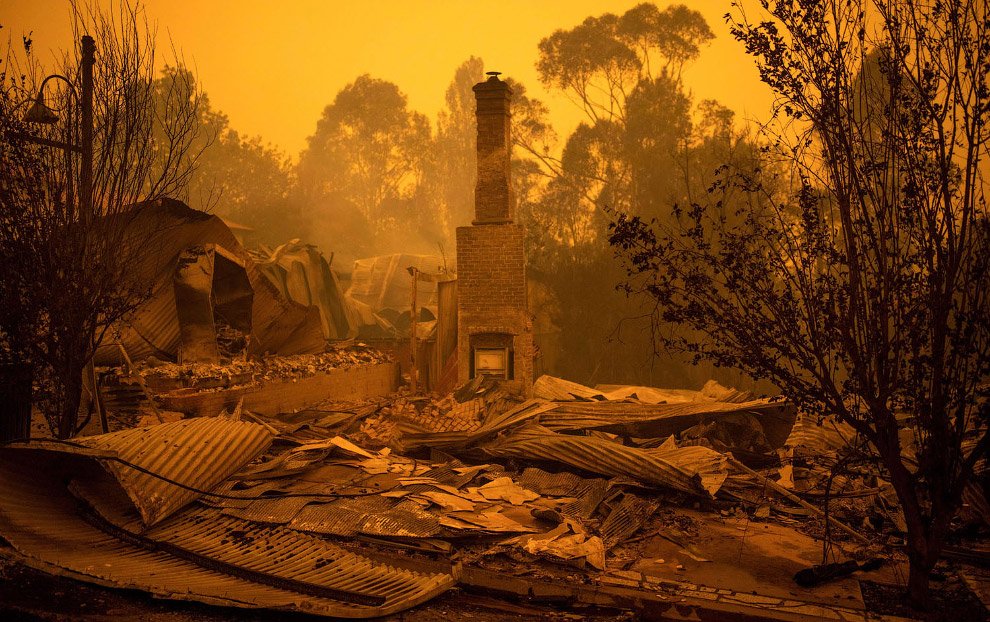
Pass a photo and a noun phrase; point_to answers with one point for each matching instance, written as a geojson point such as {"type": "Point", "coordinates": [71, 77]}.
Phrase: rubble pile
{"type": "Point", "coordinates": [572, 494]}
{"type": "Point", "coordinates": [165, 375]}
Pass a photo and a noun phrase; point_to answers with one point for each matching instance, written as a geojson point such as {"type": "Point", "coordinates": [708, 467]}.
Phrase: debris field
{"type": "Point", "coordinates": [624, 498]}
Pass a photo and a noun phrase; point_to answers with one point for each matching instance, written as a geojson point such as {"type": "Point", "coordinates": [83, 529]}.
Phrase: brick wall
{"type": "Point", "coordinates": [491, 268]}
{"type": "Point", "coordinates": [491, 294]}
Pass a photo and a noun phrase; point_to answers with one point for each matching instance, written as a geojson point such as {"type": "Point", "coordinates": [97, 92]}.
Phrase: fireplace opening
{"type": "Point", "coordinates": [492, 355]}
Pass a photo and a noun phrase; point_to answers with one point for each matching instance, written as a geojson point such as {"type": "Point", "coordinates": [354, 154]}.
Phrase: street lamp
{"type": "Point", "coordinates": [42, 114]}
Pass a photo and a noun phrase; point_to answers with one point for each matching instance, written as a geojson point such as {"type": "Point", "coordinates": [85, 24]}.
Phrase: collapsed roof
{"type": "Point", "coordinates": [195, 266]}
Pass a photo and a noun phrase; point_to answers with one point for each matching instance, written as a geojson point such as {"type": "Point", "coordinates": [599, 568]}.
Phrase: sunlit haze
{"type": "Point", "coordinates": [273, 66]}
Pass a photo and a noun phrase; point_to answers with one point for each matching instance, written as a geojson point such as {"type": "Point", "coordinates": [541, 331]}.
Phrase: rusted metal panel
{"type": "Point", "coordinates": [153, 330]}
{"type": "Point", "coordinates": [277, 511]}
{"type": "Point", "coordinates": [406, 520]}
{"type": "Point", "coordinates": [588, 497]}
{"type": "Point", "coordinates": [561, 484]}
{"type": "Point", "coordinates": [301, 273]}
{"type": "Point", "coordinates": [197, 554]}
{"type": "Point", "coordinates": [711, 466]}
{"type": "Point", "coordinates": [342, 517]}
{"type": "Point", "coordinates": [626, 518]}
{"type": "Point", "coordinates": [199, 453]}
{"type": "Point", "coordinates": [662, 420]}
{"type": "Point", "coordinates": [595, 455]}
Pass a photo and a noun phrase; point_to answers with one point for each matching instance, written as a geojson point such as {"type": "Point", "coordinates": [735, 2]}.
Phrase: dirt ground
{"type": "Point", "coordinates": [29, 595]}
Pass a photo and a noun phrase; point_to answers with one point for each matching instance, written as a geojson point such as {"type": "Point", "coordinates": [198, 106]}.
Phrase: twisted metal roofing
{"type": "Point", "coordinates": [595, 455]}
{"type": "Point", "coordinates": [199, 453]}
{"type": "Point", "coordinates": [91, 531]}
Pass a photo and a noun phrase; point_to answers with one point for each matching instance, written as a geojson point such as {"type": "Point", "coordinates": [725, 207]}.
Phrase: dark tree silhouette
{"type": "Point", "coordinates": [864, 293]}
{"type": "Point", "coordinates": [67, 274]}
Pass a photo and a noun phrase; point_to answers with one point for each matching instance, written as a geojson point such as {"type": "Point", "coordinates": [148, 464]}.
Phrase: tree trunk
{"type": "Point", "coordinates": [923, 543]}
{"type": "Point", "coordinates": [69, 415]}
{"type": "Point", "coordinates": [918, 593]}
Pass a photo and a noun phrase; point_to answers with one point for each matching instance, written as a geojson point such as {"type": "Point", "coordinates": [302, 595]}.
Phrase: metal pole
{"type": "Point", "coordinates": [86, 166]}
{"type": "Point", "coordinates": [70, 214]}
{"type": "Point", "coordinates": [412, 332]}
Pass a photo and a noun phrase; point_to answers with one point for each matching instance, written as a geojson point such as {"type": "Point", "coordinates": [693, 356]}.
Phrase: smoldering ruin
{"type": "Point", "coordinates": [270, 427]}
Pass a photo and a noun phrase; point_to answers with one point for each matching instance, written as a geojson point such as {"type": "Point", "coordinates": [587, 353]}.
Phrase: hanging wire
{"type": "Point", "coordinates": [169, 480]}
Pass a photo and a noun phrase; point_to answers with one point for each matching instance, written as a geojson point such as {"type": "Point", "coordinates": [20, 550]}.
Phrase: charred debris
{"type": "Point", "coordinates": [616, 498]}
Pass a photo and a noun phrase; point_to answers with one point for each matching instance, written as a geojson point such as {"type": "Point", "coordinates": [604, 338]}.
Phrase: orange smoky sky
{"type": "Point", "coordinates": [272, 66]}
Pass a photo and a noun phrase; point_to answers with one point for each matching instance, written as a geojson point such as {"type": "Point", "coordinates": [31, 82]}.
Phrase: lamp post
{"type": "Point", "coordinates": [41, 113]}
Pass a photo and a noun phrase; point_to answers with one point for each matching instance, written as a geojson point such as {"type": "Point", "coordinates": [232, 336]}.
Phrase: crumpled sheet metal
{"type": "Point", "coordinates": [660, 420]}
{"type": "Point", "coordinates": [626, 518]}
{"type": "Point", "coordinates": [279, 325]}
{"type": "Point", "coordinates": [340, 517]}
{"type": "Point", "coordinates": [595, 455]}
{"type": "Point", "coordinates": [199, 453]}
{"type": "Point", "coordinates": [492, 424]}
{"type": "Point", "coordinates": [708, 464]}
{"type": "Point", "coordinates": [819, 438]}
{"type": "Point", "coordinates": [40, 519]}
{"type": "Point", "coordinates": [553, 388]}
{"type": "Point", "coordinates": [562, 484]}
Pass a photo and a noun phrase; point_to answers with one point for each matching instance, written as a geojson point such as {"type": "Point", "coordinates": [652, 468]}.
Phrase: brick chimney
{"type": "Point", "coordinates": [494, 202]}
{"type": "Point", "coordinates": [494, 327]}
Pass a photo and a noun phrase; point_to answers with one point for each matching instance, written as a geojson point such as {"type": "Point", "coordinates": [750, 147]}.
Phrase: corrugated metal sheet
{"type": "Point", "coordinates": [708, 464]}
{"type": "Point", "coordinates": [276, 511]}
{"type": "Point", "coordinates": [589, 496]}
{"type": "Point", "coordinates": [661, 420]}
{"type": "Point", "coordinates": [602, 415]}
{"type": "Point", "coordinates": [494, 422]}
{"type": "Point", "coordinates": [651, 395]}
{"type": "Point", "coordinates": [818, 438]}
{"type": "Point", "coordinates": [553, 388]}
{"type": "Point", "coordinates": [196, 452]}
{"type": "Point", "coordinates": [341, 517]}
{"type": "Point", "coordinates": [406, 520]}
{"type": "Point", "coordinates": [302, 274]}
{"type": "Point", "coordinates": [153, 330]}
{"type": "Point", "coordinates": [39, 518]}
{"type": "Point", "coordinates": [626, 518]}
{"type": "Point", "coordinates": [226, 488]}
{"type": "Point", "coordinates": [561, 484]}
{"type": "Point", "coordinates": [595, 455]}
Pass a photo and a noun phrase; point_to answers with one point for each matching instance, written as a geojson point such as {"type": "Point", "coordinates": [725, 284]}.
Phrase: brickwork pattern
{"type": "Point", "coordinates": [494, 201]}
{"type": "Point", "coordinates": [491, 269]}
{"type": "Point", "coordinates": [492, 297]}
{"type": "Point", "coordinates": [491, 257]}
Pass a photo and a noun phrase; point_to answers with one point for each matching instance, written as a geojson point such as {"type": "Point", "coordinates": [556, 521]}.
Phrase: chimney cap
{"type": "Point", "coordinates": [493, 74]}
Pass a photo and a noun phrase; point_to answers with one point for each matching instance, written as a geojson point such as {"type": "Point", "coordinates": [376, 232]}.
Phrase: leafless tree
{"type": "Point", "coordinates": [865, 294]}
{"type": "Point", "coordinates": [70, 275]}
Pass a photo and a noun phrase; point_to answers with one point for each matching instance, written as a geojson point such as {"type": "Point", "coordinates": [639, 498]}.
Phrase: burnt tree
{"type": "Point", "coordinates": [856, 274]}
